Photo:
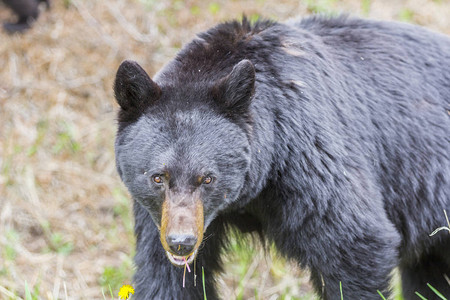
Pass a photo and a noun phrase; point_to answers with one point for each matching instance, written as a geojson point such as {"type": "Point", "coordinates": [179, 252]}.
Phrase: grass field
{"type": "Point", "coordinates": [66, 229]}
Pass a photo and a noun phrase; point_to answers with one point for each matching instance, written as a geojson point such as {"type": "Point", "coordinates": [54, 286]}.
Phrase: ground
{"type": "Point", "coordinates": [65, 219]}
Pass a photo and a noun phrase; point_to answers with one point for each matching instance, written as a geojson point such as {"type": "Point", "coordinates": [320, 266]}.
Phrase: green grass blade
{"type": "Point", "coordinates": [381, 295]}
{"type": "Point", "coordinates": [204, 288]}
{"type": "Point", "coordinates": [110, 292]}
{"type": "Point", "coordinates": [436, 292]}
{"type": "Point", "coordinates": [420, 296]}
{"type": "Point", "coordinates": [340, 287]}
{"type": "Point", "coordinates": [27, 292]}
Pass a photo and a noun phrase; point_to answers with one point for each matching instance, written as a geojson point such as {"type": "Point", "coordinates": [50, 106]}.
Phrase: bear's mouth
{"type": "Point", "coordinates": [181, 261]}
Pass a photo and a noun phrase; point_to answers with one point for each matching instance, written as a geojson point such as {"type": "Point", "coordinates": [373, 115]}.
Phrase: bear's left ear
{"type": "Point", "coordinates": [134, 90]}
{"type": "Point", "coordinates": [235, 90]}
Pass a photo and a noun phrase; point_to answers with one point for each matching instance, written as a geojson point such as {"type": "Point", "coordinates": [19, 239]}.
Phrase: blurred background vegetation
{"type": "Point", "coordinates": [66, 227]}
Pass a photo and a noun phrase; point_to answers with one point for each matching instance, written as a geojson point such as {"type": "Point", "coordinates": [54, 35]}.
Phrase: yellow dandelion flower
{"type": "Point", "coordinates": [125, 291]}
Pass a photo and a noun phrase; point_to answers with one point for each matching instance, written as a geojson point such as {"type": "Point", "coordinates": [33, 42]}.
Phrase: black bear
{"type": "Point", "coordinates": [27, 12]}
{"type": "Point", "coordinates": [329, 137]}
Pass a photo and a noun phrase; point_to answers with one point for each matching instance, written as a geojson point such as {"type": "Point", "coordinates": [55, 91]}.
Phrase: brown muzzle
{"type": "Point", "coordinates": [181, 226]}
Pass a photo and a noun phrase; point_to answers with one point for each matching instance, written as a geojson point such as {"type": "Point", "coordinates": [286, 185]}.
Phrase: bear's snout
{"type": "Point", "coordinates": [182, 224]}
{"type": "Point", "coordinates": [181, 244]}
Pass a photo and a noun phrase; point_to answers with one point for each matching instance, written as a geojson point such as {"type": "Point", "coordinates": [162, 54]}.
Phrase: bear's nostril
{"type": "Point", "coordinates": [181, 244]}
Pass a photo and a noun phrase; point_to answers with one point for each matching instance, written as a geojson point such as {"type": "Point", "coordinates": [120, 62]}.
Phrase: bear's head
{"type": "Point", "coordinates": [183, 149]}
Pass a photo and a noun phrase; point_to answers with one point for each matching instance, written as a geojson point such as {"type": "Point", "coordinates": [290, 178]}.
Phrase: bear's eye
{"type": "Point", "coordinates": [157, 178]}
{"type": "Point", "coordinates": [207, 180]}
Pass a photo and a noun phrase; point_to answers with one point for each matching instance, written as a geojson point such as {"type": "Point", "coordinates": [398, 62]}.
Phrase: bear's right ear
{"type": "Point", "coordinates": [134, 90]}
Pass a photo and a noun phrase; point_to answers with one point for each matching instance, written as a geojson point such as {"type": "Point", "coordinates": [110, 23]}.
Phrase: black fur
{"type": "Point", "coordinates": [334, 145]}
{"type": "Point", "coordinates": [233, 92]}
{"type": "Point", "coordinates": [134, 91]}
{"type": "Point", "coordinates": [27, 12]}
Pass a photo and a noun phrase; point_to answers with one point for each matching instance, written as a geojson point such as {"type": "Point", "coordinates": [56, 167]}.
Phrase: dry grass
{"type": "Point", "coordinates": [64, 215]}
